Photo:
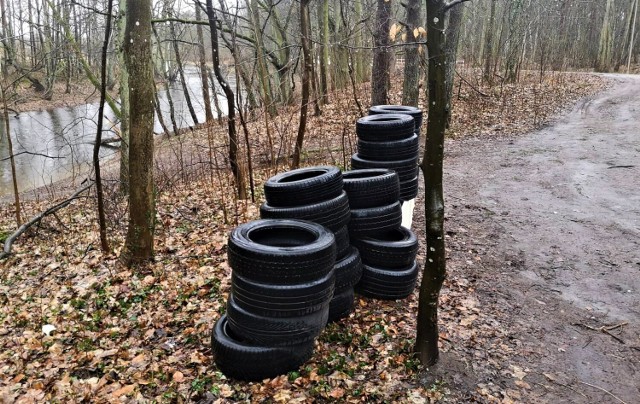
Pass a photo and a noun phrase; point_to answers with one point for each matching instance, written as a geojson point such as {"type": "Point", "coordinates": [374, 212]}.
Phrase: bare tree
{"type": "Point", "coordinates": [381, 55]}
{"type": "Point", "coordinates": [137, 46]}
{"type": "Point", "coordinates": [305, 34]}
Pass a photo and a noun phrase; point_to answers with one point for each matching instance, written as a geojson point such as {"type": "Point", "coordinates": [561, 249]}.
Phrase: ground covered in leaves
{"type": "Point", "coordinates": [75, 325]}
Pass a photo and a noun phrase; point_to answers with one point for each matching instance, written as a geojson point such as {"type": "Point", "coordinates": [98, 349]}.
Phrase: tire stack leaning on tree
{"type": "Point", "coordinates": [315, 194]}
{"type": "Point", "coordinates": [388, 250]}
{"type": "Point", "coordinates": [281, 286]}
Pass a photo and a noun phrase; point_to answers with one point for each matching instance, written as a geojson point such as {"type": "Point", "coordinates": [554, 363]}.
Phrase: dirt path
{"type": "Point", "coordinates": [547, 226]}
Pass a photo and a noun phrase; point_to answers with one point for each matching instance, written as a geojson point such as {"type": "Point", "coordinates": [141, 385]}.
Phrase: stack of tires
{"type": "Point", "coordinates": [281, 287]}
{"type": "Point", "coordinates": [387, 250]}
{"type": "Point", "coordinates": [389, 141]}
{"type": "Point", "coordinates": [315, 194]}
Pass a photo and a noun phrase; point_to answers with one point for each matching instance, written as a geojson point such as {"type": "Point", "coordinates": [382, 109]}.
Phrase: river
{"type": "Point", "coordinates": [53, 144]}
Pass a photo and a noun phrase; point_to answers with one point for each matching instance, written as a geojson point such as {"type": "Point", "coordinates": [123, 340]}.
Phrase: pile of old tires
{"type": "Point", "coordinates": [316, 194]}
{"type": "Point", "coordinates": [281, 287]}
{"type": "Point", "coordinates": [389, 140]}
{"type": "Point", "coordinates": [387, 250]}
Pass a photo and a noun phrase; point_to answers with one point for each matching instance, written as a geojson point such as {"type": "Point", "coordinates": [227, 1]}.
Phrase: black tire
{"type": "Point", "coordinates": [371, 187]}
{"type": "Point", "coordinates": [385, 127]}
{"type": "Point", "coordinates": [241, 360]}
{"type": "Point", "coordinates": [396, 248]}
{"type": "Point", "coordinates": [416, 113]}
{"type": "Point", "coordinates": [389, 150]}
{"type": "Point", "coordinates": [303, 186]}
{"type": "Point", "coordinates": [348, 271]}
{"type": "Point", "coordinates": [332, 213]}
{"type": "Point", "coordinates": [409, 189]}
{"type": "Point", "coordinates": [341, 305]}
{"type": "Point", "coordinates": [406, 169]}
{"type": "Point", "coordinates": [388, 284]}
{"type": "Point", "coordinates": [286, 251]}
{"type": "Point", "coordinates": [276, 300]}
{"type": "Point", "coordinates": [275, 331]}
{"type": "Point", "coordinates": [371, 221]}
{"type": "Point", "coordinates": [343, 244]}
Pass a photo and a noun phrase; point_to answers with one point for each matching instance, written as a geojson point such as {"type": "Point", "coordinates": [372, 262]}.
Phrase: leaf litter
{"type": "Point", "coordinates": [77, 326]}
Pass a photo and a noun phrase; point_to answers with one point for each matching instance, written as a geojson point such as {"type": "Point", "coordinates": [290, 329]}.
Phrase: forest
{"type": "Point", "coordinates": [138, 134]}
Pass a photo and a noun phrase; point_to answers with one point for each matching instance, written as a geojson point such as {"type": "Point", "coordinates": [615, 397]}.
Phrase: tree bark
{"type": "Point", "coordinates": [488, 47]}
{"type": "Point", "coordinates": [434, 271]}
{"type": "Point", "coordinates": [137, 46]}
{"type": "Point", "coordinates": [305, 32]}
{"type": "Point", "coordinates": [603, 62]}
{"type": "Point", "coordinates": [204, 76]}
{"type": "Point", "coordinates": [323, 49]}
{"type": "Point", "coordinates": [14, 177]}
{"type": "Point", "coordinates": [381, 55]}
{"type": "Point", "coordinates": [102, 221]}
{"type": "Point", "coordinates": [236, 170]}
{"type": "Point", "coordinates": [410, 87]}
{"type": "Point", "coordinates": [124, 101]}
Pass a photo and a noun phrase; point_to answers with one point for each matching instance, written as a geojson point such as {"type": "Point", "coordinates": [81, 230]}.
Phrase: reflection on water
{"type": "Point", "coordinates": [54, 144]}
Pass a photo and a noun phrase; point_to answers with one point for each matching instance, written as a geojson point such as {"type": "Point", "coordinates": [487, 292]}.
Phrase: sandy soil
{"type": "Point", "coordinates": [546, 229]}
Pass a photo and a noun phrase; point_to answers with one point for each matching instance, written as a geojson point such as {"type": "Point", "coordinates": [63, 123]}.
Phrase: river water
{"type": "Point", "coordinates": [54, 144]}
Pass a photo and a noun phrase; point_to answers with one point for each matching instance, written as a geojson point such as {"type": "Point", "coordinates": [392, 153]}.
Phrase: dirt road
{"type": "Point", "coordinates": [547, 226]}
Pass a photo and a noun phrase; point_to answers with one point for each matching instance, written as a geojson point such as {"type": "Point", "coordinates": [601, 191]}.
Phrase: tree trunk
{"type": "Point", "coordinates": [305, 32]}
{"type": "Point", "coordinates": [454, 23]}
{"type": "Point", "coordinates": [96, 147]}
{"type": "Point", "coordinates": [263, 71]}
{"type": "Point", "coordinates": [603, 61]}
{"type": "Point", "coordinates": [381, 55]}
{"type": "Point", "coordinates": [633, 33]}
{"type": "Point", "coordinates": [183, 81]}
{"type": "Point", "coordinates": [204, 76]}
{"type": "Point", "coordinates": [124, 101]}
{"type": "Point", "coordinates": [238, 175]}
{"type": "Point", "coordinates": [410, 87]}
{"type": "Point", "coordinates": [434, 271]}
{"type": "Point", "coordinates": [137, 46]}
{"type": "Point", "coordinates": [14, 177]}
{"type": "Point", "coordinates": [323, 49]}
{"type": "Point", "coordinates": [165, 83]}
{"type": "Point", "coordinates": [488, 47]}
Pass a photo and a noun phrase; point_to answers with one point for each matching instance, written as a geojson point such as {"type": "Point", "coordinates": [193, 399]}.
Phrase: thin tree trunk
{"type": "Point", "coordinates": [183, 81]}
{"type": "Point", "coordinates": [603, 62]}
{"type": "Point", "coordinates": [238, 175]}
{"type": "Point", "coordinates": [306, 80]}
{"type": "Point", "coordinates": [102, 221]}
{"type": "Point", "coordinates": [633, 33]}
{"type": "Point", "coordinates": [410, 87]}
{"type": "Point", "coordinates": [454, 23]}
{"type": "Point", "coordinates": [165, 83]}
{"type": "Point", "coordinates": [137, 46]}
{"type": "Point", "coordinates": [488, 47]}
{"type": "Point", "coordinates": [14, 177]}
{"type": "Point", "coordinates": [263, 71]}
{"type": "Point", "coordinates": [323, 49]}
{"type": "Point", "coordinates": [434, 271]}
{"type": "Point", "coordinates": [204, 76]}
{"type": "Point", "coordinates": [381, 56]}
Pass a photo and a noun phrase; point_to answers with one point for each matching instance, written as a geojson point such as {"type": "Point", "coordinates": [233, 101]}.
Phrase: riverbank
{"type": "Point", "coordinates": [145, 333]}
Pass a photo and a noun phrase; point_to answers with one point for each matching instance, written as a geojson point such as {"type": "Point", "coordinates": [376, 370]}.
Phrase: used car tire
{"type": "Point", "coordinates": [385, 127]}
{"type": "Point", "coordinates": [275, 331]}
{"type": "Point", "coordinates": [341, 305]}
{"type": "Point", "coordinates": [395, 248]}
{"type": "Point", "coordinates": [371, 187]}
{"type": "Point", "coordinates": [242, 360]}
{"type": "Point", "coordinates": [415, 112]}
{"type": "Point", "coordinates": [370, 221]}
{"type": "Point", "coordinates": [389, 149]}
{"type": "Point", "coordinates": [406, 169]}
{"type": "Point", "coordinates": [303, 186]}
{"type": "Point", "coordinates": [409, 189]}
{"type": "Point", "coordinates": [332, 213]}
{"type": "Point", "coordinates": [387, 284]}
{"type": "Point", "coordinates": [277, 300]}
{"type": "Point", "coordinates": [343, 244]}
{"type": "Point", "coordinates": [286, 251]}
{"type": "Point", "coordinates": [348, 271]}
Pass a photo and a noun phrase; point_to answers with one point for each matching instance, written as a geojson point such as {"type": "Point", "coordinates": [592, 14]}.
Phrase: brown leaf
{"type": "Point", "coordinates": [124, 391]}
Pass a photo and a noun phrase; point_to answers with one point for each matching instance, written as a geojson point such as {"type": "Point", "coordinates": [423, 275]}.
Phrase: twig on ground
{"type": "Point", "coordinates": [629, 166]}
{"type": "Point", "coordinates": [37, 219]}
{"type": "Point", "coordinates": [605, 329]}
{"type": "Point", "coordinates": [606, 391]}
